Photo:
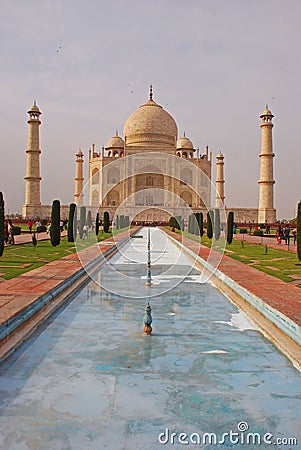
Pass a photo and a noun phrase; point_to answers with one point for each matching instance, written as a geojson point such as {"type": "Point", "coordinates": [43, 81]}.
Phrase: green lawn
{"type": "Point", "coordinates": [278, 263]}
{"type": "Point", "coordinates": [18, 259]}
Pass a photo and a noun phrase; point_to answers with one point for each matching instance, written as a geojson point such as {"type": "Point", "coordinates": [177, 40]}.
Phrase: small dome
{"type": "Point", "coordinates": [184, 142]}
{"type": "Point", "coordinates": [115, 142]}
{"type": "Point", "coordinates": [266, 112]}
{"type": "Point", "coordinates": [34, 108]}
{"type": "Point", "coordinates": [150, 124]}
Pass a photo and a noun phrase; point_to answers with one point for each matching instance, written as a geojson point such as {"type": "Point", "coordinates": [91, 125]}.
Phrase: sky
{"type": "Point", "coordinates": [213, 64]}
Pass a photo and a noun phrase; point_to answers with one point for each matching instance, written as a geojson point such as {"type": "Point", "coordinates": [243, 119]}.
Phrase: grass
{"type": "Point", "coordinates": [21, 258]}
{"type": "Point", "coordinates": [278, 263]}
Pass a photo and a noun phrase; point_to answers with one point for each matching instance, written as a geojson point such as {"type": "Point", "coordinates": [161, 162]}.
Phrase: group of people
{"type": "Point", "coordinates": [284, 233]}
{"type": "Point", "coordinates": [9, 237]}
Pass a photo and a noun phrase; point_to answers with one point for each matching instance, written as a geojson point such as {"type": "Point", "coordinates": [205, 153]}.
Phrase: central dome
{"type": "Point", "coordinates": [151, 125]}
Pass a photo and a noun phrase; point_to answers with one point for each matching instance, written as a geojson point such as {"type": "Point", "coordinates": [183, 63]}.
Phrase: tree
{"type": "Point", "coordinates": [196, 223]}
{"type": "Point", "coordinates": [82, 221]}
{"type": "Point", "coordinates": [230, 225]}
{"type": "Point", "coordinates": [190, 224]}
{"type": "Point", "coordinates": [55, 230]}
{"type": "Point", "coordinates": [210, 224]}
{"type": "Point", "coordinates": [72, 223]}
{"type": "Point", "coordinates": [217, 225]}
{"type": "Point", "coordinates": [299, 231]}
{"type": "Point", "coordinates": [89, 219]}
{"type": "Point", "coordinates": [2, 219]}
{"type": "Point", "coordinates": [201, 224]}
{"type": "Point", "coordinates": [106, 222]}
{"type": "Point", "coordinates": [97, 224]}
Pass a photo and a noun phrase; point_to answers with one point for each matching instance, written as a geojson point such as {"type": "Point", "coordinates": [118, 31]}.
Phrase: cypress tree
{"type": "Point", "coordinates": [201, 224]}
{"type": "Point", "coordinates": [97, 224]}
{"type": "Point", "coordinates": [217, 225]}
{"type": "Point", "coordinates": [82, 220]}
{"type": "Point", "coordinates": [210, 224]}
{"type": "Point", "coordinates": [72, 223]}
{"type": "Point", "coordinates": [2, 219]}
{"type": "Point", "coordinates": [106, 222]}
{"type": "Point", "coordinates": [89, 219]}
{"type": "Point", "coordinates": [55, 230]}
{"type": "Point", "coordinates": [190, 229]}
{"type": "Point", "coordinates": [299, 231]}
{"type": "Point", "coordinates": [196, 223]}
{"type": "Point", "coordinates": [230, 225]}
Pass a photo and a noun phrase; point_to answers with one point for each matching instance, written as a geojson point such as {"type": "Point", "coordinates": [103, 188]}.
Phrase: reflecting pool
{"type": "Point", "coordinates": [90, 379]}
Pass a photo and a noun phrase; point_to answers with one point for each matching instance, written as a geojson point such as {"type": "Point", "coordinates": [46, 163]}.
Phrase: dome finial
{"type": "Point", "coordinates": [151, 92]}
{"type": "Point", "coordinates": [116, 133]}
{"type": "Point", "coordinates": [266, 106]}
{"type": "Point", "coordinates": [184, 134]}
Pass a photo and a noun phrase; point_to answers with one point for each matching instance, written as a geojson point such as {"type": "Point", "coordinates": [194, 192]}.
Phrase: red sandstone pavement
{"type": "Point", "coordinates": [25, 238]}
{"type": "Point", "coordinates": [265, 240]}
{"type": "Point", "coordinates": [282, 296]}
{"type": "Point", "coordinates": [19, 292]}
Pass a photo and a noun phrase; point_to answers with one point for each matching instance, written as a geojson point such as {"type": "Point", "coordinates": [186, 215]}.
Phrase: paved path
{"type": "Point", "coordinates": [25, 238]}
{"type": "Point", "coordinates": [264, 240]}
{"type": "Point", "coordinates": [282, 296]}
{"type": "Point", "coordinates": [20, 292]}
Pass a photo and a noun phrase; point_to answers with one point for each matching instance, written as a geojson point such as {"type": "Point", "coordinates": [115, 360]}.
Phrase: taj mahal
{"type": "Point", "coordinates": [150, 173]}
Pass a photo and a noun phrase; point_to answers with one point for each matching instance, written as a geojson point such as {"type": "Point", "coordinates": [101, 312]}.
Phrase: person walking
{"type": "Point", "coordinates": [11, 238]}
{"type": "Point", "coordinates": [29, 224]}
{"type": "Point", "coordinates": [279, 235]}
{"type": "Point", "coordinates": [287, 235]}
{"type": "Point", "coordinates": [6, 234]}
{"type": "Point", "coordinates": [294, 235]}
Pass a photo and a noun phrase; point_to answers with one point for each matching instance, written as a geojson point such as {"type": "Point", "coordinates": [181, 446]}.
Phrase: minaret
{"type": "Point", "coordinates": [266, 211]}
{"type": "Point", "coordinates": [33, 178]}
{"type": "Point", "coordinates": [79, 178]}
{"type": "Point", "coordinates": [220, 182]}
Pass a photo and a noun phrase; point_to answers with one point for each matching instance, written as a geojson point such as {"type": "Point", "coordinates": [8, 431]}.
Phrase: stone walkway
{"type": "Point", "coordinates": [20, 293]}
{"type": "Point", "coordinates": [269, 241]}
{"type": "Point", "coordinates": [282, 296]}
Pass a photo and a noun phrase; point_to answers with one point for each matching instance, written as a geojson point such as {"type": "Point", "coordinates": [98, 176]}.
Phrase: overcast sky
{"type": "Point", "coordinates": [214, 64]}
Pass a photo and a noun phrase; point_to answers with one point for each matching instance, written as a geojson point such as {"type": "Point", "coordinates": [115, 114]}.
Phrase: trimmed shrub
{"type": "Point", "coordinates": [41, 229]}
{"type": "Point", "coordinates": [244, 231]}
{"type": "Point", "coordinates": [258, 233]}
{"type": "Point", "coordinates": [89, 219]}
{"type": "Point", "coordinates": [201, 224]}
{"type": "Point", "coordinates": [97, 224]}
{"type": "Point", "coordinates": [72, 223]}
{"type": "Point", "coordinates": [17, 230]}
{"type": "Point", "coordinates": [55, 231]}
{"type": "Point", "coordinates": [1, 224]}
{"type": "Point", "coordinates": [210, 224]}
{"type": "Point", "coordinates": [106, 222]}
{"type": "Point", "coordinates": [217, 224]}
{"type": "Point", "coordinates": [230, 225]}
{"type": "Point", "coordinates": [82, 221]}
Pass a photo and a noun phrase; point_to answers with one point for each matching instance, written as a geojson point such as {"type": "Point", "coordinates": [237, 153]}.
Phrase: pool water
{"type": "Point", "coordinates": [90, 379]}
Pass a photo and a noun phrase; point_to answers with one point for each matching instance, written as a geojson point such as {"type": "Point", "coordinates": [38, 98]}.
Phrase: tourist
{"type": "Point", "coordinates": [286, 233]}
{"type": "Point", "coordinates": [48, 228]}
{"type": "Point", "coordinates": [6, 234]}
{"type": "Point", "coordinates": [279, 234]}
{"type": "Point", "coordinates": [61, 225]}
{"type": "Point", "coordinates": [29, 224]}
{"type": "Point", "coordinates": [295, 235]}
{"type": "Point", "coordinates": [11, 237]}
